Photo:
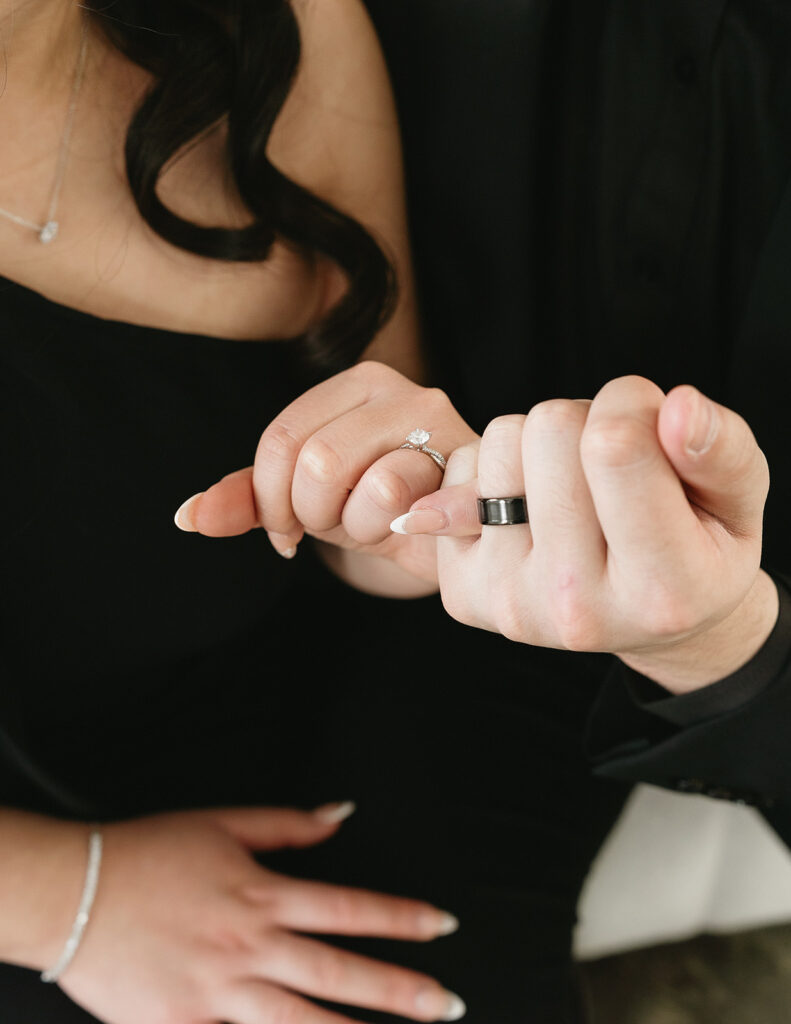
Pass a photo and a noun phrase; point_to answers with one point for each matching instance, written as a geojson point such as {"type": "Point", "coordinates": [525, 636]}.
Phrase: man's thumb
{"type": "Point", "coordinates": [717, 457]}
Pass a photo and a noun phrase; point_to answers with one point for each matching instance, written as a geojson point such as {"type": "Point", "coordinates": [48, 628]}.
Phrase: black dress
{"type": "Point", "coordinates": [146, 669]}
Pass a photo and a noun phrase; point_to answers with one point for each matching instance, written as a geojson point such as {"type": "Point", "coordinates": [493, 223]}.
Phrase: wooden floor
{"type": "Point", "coordinates": [744, 979]}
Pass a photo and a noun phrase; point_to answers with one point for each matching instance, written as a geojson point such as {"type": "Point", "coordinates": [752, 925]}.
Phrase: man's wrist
{"type": "Point", "coordinates": [720, 651]}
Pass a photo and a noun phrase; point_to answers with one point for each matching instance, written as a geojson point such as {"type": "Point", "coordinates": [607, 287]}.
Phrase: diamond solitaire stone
{"type": "Point", "coordinates": [418, 437]}
{"type": "Point", "coordinates": [49, 232]}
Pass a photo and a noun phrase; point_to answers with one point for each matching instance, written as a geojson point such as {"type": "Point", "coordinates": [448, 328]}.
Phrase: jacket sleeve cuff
{"type": "Point", "coordinates": [727, 694]}
{"type": "Point", "coordinates": [731, 742]}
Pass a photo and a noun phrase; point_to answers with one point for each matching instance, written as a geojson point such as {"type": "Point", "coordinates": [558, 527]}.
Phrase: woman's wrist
{"type": "Point", "coordinates": [718, 652]}
{"type": "Point", "coordinates": [42, 874]}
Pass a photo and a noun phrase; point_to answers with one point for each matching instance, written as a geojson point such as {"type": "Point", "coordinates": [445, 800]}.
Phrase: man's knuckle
{"type": "Point", "coordinates": [577, 626]}
{"type": "Point", "coordinates": [580, 636]}
{"type": "Point", "coordinates": [503, 429]}
{"type": "Point", "coordinates": [618, 442]}
{"type": "Point", "coordinates": [632, 386]}
{"type": "Point", "coordinates": [510, 616]}
{"type": "Point", "coordinates": [556, 416]}
{"type": "Point", "coordinates": [501, 448]}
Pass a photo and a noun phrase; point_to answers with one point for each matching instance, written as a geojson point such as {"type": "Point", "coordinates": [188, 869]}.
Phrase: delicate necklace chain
{"type": "Point", "coordinates": [48, 231]}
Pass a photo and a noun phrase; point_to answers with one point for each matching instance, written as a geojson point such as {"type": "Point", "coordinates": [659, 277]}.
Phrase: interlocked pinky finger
{"type": "Point", "coordinates": [462, 467]}
{"type": "Point", "coordinates": [481, 581]}
{"type": "Point", "coordinates": [460, 567]}
{"type": "Point", "coordinates": [501, 475]}
{"type": "Point", "coordinates": [455, 554]}
{"type": "Point", "coordinates": [500, 470]}
{"type": "Point", "coordinates": [258, 1002]}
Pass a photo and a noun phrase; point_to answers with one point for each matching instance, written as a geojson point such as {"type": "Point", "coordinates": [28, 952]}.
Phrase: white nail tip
{"type": "Point", "coordinates": [288, 553]}
{"type": "Point", "coordinates": [180, 518]}
{"type": "Point", "coordinates": [456, 1008]}
{"type": "Point", "coordinates": [448, 925]}
{"type": "Point", "coordinates": [397, 525]}
{"type": "Point", "coordinates": [336, 813]}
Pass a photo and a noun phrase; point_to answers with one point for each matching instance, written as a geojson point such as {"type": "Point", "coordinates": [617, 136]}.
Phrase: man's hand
{"type": "Point", "coordinates": [644, 537]}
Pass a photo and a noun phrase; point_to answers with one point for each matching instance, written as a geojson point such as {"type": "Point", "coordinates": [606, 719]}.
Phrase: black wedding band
{"type": "Point", "coordinates": [502, 511]}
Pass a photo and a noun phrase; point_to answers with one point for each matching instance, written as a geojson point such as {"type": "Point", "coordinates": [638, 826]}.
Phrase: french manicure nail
{"type": "Point", "coordinates": [332, 814]}
{"type": "Point", "coordinates": [183, 517]}
{"type": "Point", "coordinates": [283, 543]}
{"type": "Point", "coordinates": [703, 427]}
{"type": "Point", "coordinates": [439, 1004]}
{"type": "Point", "coordinates": [449, 924]}
{"type": "Point", "coordinates": [422, 520]}
{"type": "Point", "coordinates": [456, 1007]}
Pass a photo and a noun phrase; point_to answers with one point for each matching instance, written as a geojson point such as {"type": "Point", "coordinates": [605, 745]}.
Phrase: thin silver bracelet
{"type": "Point", "coordinates": [84, 909]}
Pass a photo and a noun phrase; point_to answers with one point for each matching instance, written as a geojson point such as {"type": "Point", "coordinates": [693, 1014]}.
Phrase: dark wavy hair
{"type": "Point", "coordinates": [235, 61]}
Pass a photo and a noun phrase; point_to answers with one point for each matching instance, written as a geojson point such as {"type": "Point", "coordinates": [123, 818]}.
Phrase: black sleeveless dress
{"type": "Point", "coordinates": [147, 669]}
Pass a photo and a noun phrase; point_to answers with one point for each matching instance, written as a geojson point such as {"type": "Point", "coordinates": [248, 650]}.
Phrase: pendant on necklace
{"type": "Point", "coordinates": [49, 232]}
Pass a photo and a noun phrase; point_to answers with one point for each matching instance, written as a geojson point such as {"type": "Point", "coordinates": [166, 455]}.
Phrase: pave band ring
{"type": "Point", "coordinates": [502, 511]}
{"type": "Point", "coordinates": [417, 441]}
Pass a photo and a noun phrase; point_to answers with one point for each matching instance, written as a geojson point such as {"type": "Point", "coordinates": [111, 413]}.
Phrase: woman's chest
{"type": "Point", "coordinates": [106, 261]}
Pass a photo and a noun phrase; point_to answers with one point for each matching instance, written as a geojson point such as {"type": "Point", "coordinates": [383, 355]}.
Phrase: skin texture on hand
{"type": "Point", "coordinates": [717, 652]}
{"type": "Point", "coordinates": [331, 466]}
{"type": "Point", "coordinates": [644, 537]}
{"type": "Point", "coordinates": [187, 927]}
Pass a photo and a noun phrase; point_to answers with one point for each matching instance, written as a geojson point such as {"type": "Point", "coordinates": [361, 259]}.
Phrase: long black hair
{"type": "Point", "coordinates": [235, 60]}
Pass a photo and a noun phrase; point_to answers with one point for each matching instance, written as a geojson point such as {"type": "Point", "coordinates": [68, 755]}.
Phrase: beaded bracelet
{"type": "Point", "coordinates": [83, 911]}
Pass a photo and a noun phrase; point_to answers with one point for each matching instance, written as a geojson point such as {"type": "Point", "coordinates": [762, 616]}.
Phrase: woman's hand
{"type": "Point", "coordinates": [330, 465]}
{"type": "Point", "coordinates": [188, 929]}
{"type": "Point", "coordinates": [644, 538]}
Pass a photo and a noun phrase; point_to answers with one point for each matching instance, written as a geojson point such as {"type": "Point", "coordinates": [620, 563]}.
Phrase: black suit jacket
{"type": "Point", "coordinates": [577, 213]}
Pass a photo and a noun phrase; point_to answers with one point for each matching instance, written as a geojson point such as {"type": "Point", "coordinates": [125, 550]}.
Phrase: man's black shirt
{"type": "Point", "coordinates": [599, 188]}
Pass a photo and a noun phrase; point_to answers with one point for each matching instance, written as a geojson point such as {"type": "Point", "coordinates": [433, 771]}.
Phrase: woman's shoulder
{"type": "Point", "coordinates": [338, 126]}
{"type": "Point", "coordinates": [340, 51]}
{"type": "Point", "coordinates": [338, 136]}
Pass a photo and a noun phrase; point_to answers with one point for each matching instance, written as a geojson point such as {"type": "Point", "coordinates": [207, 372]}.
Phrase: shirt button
{"type": "Point", "coordinates": [719, 793]}
{"type": "Point", "coordinates": [685, 68]}
{"type": "Point", "coordinates": [690, 785]}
